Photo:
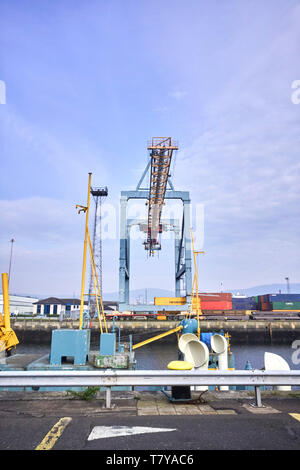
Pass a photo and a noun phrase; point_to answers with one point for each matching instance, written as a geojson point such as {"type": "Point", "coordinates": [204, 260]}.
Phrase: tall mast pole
{"type": "Point", "coordinates": [98, 194]}
{"type": "Point", "coordinates": [11, 249]}
{"type": "Point", "coordinates": [288, 284]}
{"type": "Point", "coordinates": [86, 210]}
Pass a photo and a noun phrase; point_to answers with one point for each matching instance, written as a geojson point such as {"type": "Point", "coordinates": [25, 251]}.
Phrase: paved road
{"type": "Point", "coordinates": [25, 425]}
{"type": "Point", "coordinates": [192, 432]}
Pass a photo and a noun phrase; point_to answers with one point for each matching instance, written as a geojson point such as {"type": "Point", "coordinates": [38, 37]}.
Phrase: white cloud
{"type": "Point", "coordinates": [178, 94]}
{"type": "Point", "coordinates": [244, 166]}
{"type": "Point", "coordinates": [38, 220]}
{"type": "Point", "coordinates": [69, 158]}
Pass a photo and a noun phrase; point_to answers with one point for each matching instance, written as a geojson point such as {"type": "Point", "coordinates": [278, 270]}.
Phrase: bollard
{"type": "Point", "coordinates": [258, 396]}
{"type": "Point", "coordinates": [108, 397]}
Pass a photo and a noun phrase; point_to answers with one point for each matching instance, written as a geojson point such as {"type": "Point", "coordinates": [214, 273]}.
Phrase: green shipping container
{"type": "Point", "coordinates": [286, 305]}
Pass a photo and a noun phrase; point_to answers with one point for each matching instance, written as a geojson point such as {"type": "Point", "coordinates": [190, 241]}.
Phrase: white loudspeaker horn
{"type": "Point", "coordinates": [197, 353]}
{"type": "Point", "coordinates": [276, 362]}
{"type": "Point", "coordinates": [220, 346]}
{"type": "Point", "coordinates": [185, 339]}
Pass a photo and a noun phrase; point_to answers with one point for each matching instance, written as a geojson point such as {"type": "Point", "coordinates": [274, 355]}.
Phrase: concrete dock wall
{"type": "Point", "coordinates": [248, 331]}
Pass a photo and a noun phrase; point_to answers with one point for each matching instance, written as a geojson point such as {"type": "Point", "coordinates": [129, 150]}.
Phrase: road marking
{"type": "Point", "coordinates": [101, 432]}
{"type": "Point", "coordinates": [54, 434]}
{"type": "Point", "coordinates": [295, 415]}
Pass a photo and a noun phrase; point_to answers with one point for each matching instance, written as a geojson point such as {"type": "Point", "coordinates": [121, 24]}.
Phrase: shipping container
{"type": "Point", "coordinates": [214, 297]}
{"type": "Point", "coordinates": [214, 305]}
{"type": "Point", "coordinates": [169, 300]}
{"type": "Point", "coordinates": [204, 297]}
{"type": "Point", "coordinates": [264, 298]}
{"type": "Point", "coordinates": [237, 313]}
{"type": "Point", "coordinates": [284, 297]}
{"type": "Point", "coordinates": [213, 301]}
{"type": "Point", "coordinates": [279, 298]}
{"type": "Point", "coordinates": [266, 306]}
{"type": "Point", "coordinates": [286, 305]}
{"type": "Point", "coordinates": [248, 303]}
{"type": "Point", "coordinates": [264, 303]}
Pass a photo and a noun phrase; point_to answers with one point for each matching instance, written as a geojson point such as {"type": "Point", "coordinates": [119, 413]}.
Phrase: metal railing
{"type": "Point", "coordinates": [114, 378]}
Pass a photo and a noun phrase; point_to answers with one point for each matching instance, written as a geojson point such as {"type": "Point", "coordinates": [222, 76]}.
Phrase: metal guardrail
{"type": "Point", "coordinates": [112, 378]}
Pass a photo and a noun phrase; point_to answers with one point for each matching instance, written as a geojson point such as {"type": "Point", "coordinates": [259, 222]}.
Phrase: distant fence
{"type": "Point", "coordinates": [113, 378]}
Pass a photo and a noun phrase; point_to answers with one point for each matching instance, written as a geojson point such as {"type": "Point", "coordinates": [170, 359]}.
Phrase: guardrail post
{"type": "Point", "coordinates": [108, 397]}
{"type": "Point", "coordinates": [258, 396]}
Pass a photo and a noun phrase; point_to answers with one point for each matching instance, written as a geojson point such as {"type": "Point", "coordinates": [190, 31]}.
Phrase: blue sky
{"type": "Point", "coordinates": [89, 83]}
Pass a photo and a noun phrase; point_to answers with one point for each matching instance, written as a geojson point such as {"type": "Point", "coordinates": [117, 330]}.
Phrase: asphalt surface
{"type": "Point", "coordinates": [219, 424]}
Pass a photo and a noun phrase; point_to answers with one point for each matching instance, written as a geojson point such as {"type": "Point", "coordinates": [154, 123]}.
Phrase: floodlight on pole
{"type": "Point", "coordinates": [287, 284]}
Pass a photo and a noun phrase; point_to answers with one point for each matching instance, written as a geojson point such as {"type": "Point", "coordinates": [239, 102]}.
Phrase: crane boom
{"type": "Point", "coordinates": [161, 150]}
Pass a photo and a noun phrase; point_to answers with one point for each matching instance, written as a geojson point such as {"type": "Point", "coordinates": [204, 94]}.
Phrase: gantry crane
{"type": "Point", "coordinates": [159, 190]}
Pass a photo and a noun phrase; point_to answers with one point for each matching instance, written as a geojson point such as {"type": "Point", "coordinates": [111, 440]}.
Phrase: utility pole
{"type": "Point", "coordinates": [287, 284]}
{"type": "Point", "coordinates": [11, 250]}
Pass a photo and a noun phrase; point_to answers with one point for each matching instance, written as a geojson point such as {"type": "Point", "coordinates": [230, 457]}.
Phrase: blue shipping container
{"type": "Point", "coordinates": [284, 297]}
{"type": "Point", "coordinates": [244, 304]}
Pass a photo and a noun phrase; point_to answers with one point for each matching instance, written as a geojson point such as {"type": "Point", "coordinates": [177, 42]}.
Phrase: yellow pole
{"type": "Point", "coordinates": [197, 296]}
{"type": "Point", "coordinates": [198, 307]}
{"type": "Point", "coordinates": [86, 210]}
{"type": "Point", "coordinates": [190, 306]}
{"type": "Point", "coordinates": [5, 300]}
{"type": "Point", "coordinates": [155, 338]}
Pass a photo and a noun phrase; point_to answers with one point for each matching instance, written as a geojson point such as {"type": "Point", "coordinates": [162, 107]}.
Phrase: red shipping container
{"type": "Point", "coordinates": [215, 297]}
{"type": "Point", "coordinates": [219, 305]}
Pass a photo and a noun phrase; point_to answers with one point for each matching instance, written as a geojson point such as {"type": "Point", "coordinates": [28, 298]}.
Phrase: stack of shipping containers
{"type": "Point", "coordinates": [214, 301]}
{"type": "Point", "coordinates": [264, 303]}
{"type": "Point", "coordinates": [225, 302]}
{"type": "Point", "coordinates": [286, 302]}
{"type": "Point", "coordinates": [209, 301]}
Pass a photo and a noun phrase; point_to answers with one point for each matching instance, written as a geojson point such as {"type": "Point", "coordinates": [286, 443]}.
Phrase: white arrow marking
{"type": "Point", "coordinates": [101, 432]}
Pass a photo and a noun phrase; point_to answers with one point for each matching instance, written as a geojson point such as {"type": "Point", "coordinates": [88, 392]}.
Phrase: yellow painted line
{"type": "Point", "coordinates": [295, 415]}
{"type": "Point", "coordinates": [54, 434]}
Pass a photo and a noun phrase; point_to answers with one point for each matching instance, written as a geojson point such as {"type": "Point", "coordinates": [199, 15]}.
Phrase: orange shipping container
{"type": "Point", "coordinates": [169, 300]}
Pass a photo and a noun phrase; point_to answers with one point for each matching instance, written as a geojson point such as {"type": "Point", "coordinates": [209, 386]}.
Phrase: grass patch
{"type": "Point", "coordinates": [294, 394]}
{"type": "Point", "coordinates": [266, 393]}
{"type": "Point", "coordinates": [88, 394]}
{"type": "Point", "coordinates": [276, 393]}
